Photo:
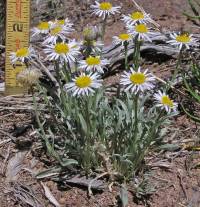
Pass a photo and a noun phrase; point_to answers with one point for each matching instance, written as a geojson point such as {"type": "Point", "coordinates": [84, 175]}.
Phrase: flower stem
{"type": "Point", "coordinates": [50, 149]}
{"type": "Point", "coordinates": [37, 115]}
{"type": "Point", "coordinates": [62, 93]}
{"type": "Point", "coordinates": [150, 138]}
{"type": "Point", "coordinates": [126, 54]}
{"type": "Point", "coordinates": [175, 71]}
{"type": "Point", "coordinates": [104, 27]}
{"type": "Point", "coordinates": [137, 56]}
{"type": "Point", "coordinates": [136, 53]}
{"type": "Point", "coordinates": [136, 116]}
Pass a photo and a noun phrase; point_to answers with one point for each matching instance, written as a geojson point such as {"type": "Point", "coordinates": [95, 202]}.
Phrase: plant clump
{"type": "Point", "coordinates": [86, 127]}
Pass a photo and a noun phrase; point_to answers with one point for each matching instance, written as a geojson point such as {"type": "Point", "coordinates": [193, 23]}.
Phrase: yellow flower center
{"type": "Point", "coordinates": [93, 60]}
{"type": "Point", "coordinates": [83, 81]}
{"type": "Point", "coordinates": [61, 48]}
{"type": "Point", "coordinates": [22, 52]}
{"type": "Point", "coordinates": [106, 6]}
{"type": "Point", "coordinates": [183, 38]}
{"type": "Point", "coordinates": [55, 30]}
{"type": "Point", "coordinates": [141, 28]}
{"type": "Point", "coordinates": [137, 15]}
{"type": "Point", "coordinates": [137, 78]}
{"type": "Point", "coordinates": [61, 22]}
{"type": "Point", "coordinates": [43, 26]}
{"type": "Point", "coordinates": [167, 101]}
{"type": "Point", "coordinates": [124, 37]}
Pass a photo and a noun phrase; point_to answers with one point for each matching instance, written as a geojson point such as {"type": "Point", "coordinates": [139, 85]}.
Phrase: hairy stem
{"type": "Point", "coordinates": [176, 70]}
{"type": "Point", "coordinates": [104, 27]}
{"type": "Point", "coordinates": [126, 54]}
{"type": "Point", "coordinates": [136, 116]}
{"type": "Point", "coordinates": [136, 53]}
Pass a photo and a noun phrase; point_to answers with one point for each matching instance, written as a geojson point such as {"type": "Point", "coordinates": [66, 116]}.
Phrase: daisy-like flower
{"type": "Point", "coordinates": [56, 32]}
{"type": "Point", "coordinates": [164, 102]}
{"type": "Point", "coordinates": [181, 40]}
{"type": "Point", "coordinates": [64, 22]}
{"type": "Point", "coordinates": [65, 51]}
{"type": "Point", "coordinates": [84, 84]}
{"type": "Point", "coordinates": [95, 46]}
{"type": "Point", "coordinates": [137, 81]}
{"type": "Point", "coordinates": [41, 28]}
{"type": "Point", "coordinates": [104, 9]}
{"type": "Point", "coordinates": [93, 64]}
{"type": "Point", "coordinates": [22, 55]}
{"type": "Point", "coordinates": [138, 17]}
{"type": "Point", "coordinates": [141, 30]}
{"type": "Point", "coordinates": [122, 38]}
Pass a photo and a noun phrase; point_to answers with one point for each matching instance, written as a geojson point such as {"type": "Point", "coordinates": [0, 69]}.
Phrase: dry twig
{"type": "Point", "coordinates": [8, 135]}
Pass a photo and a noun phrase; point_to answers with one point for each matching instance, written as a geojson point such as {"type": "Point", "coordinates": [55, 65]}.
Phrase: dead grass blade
{"type": "Point", "coordinates": [50, 196]}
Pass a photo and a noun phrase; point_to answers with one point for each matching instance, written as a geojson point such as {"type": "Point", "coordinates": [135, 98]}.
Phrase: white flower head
{"type": "Point", "coordinates": [22, 55]}
{"type": "Point", "coordinates": [41, 28]}
{"type": "Point", "coordinates": [181, 40]}
{"type": "Point", "coordinates": [164, 102]}
{"type": "Point", "coordinates": [64, 22]}
{"type": "Point", "coordinates": [137, 17]}
{"type": "Point", "coordinates": [93, 64]}
{"type": "Point", "coordinates": [104, 9]}
{"type": "Point", "coordinates": [84, 84]}
{"type": "Point", "coordinates": [136, 81]}
{"type": "Point", "coordinates": [142, 31]}
{"type": "Point", "coordinates": [122, 38]}
{"type": "Point", "coordinates": [65, 51]}
{"type": "Point", "coordinates": [57, 32]}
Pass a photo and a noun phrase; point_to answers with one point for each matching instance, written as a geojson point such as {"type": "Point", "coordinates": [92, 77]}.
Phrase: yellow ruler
{"type": "Point", "coordinates": [17, 36]}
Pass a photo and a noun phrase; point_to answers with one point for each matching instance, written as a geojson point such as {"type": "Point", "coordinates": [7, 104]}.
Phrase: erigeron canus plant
{"type": "Point", "coordinates": [137, 17]}
{"type": "Point", "coordinates": [183, 41]}
{"type": "Point", "coordinates": [104, 10]}
{"type": "Point", "coordinates": [88, 127]}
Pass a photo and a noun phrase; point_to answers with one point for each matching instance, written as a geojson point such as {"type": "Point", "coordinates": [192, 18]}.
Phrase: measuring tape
{"type": "Point", "coordinates": [17, 36]}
